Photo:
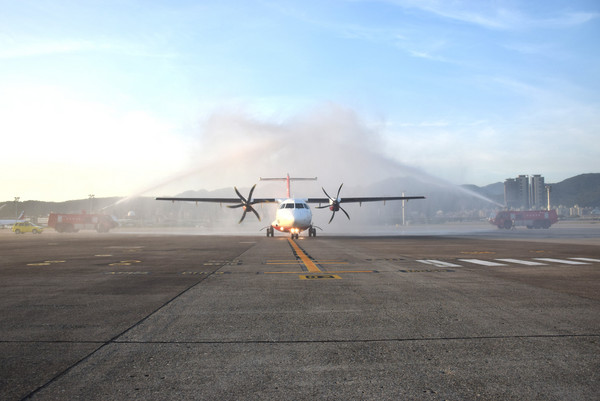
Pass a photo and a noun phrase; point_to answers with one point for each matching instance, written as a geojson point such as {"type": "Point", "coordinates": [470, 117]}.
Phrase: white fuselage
{"type": "Point", "coordinates": [293, 215]}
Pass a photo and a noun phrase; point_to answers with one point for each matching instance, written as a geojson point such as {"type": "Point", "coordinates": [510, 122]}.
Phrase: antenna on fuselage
{"type": "Point", "coordinates": [287, 178]}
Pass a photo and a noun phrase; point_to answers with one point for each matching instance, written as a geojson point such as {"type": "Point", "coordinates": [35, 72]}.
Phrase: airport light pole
{"type": "Point", "coordinates": [91, 196]}
{"type": "Point", "coordinates": [17, 207]}
{"type": "Point", "coordinates": [548, 189]}
{"type": "Point", "coordinates": [403, 202]}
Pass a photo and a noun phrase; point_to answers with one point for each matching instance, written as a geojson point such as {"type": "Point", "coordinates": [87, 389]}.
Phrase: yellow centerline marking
{"type": "Point", "coordinates": [294, 262]}
{"type": "Point", "coordinates": [312, 268]}
{"type": "Point", "coordinates": [333, 272]}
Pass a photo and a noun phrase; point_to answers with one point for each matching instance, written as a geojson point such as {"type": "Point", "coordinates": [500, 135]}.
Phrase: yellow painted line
{"type": "Point", "coordinates": [305, 259]}
{"type": "Point", "coordinates": [334, 272]}
{"type": "Point", "coordinates": [351, 271]}
{"type": "Point", "coordinates": [322, 262]}
{"type": "Point", "coordinates": [294, 262]}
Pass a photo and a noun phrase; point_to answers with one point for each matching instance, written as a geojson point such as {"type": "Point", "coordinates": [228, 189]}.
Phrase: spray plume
{"type": "Point", "coordinates": [330, 142]}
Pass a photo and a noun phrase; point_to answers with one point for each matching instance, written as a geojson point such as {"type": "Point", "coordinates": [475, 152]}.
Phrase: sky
{"type": "Point", "coordinates": [132, 97]}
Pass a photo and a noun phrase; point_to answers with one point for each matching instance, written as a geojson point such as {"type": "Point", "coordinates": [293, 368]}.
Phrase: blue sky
{"type": "Point", "coordinates": [128, 97]}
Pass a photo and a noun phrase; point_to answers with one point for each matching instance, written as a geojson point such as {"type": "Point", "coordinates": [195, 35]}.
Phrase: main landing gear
{"type": "Point", "coordinates": [270, 231]}
{"type": "Point", "coordinates": [312, 232]}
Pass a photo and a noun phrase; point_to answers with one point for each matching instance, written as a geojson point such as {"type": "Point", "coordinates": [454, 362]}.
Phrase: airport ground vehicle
{"type": "Point", "coordinates": [529, 218]}
{"type": "Point", "coordinates": [73, 222]}
{"type": "Point", "coordinates": [23, 227]}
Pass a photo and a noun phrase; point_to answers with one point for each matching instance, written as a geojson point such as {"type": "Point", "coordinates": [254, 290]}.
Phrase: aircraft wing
{"type": "Point", "coordinates": [362, 199]}
{"type": "Point", "coordinates": [218, 200]}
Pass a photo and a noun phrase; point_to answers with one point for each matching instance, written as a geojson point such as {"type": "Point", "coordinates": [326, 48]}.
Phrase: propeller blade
{"type": "Point", "coordinates": [240, 195]}
{"type": "Point", "coordinates": [334, 204]}
{"type": "Point", "coordinates": [346, 213]}
{"type": "Point", "coordinates": [243, 217]}
{"type": "Point", "coordinates": [256, 213]}
{"type": "Point", "coordinates": [250, 194]}
{"type": "Point", "coordinates": [245, 203]}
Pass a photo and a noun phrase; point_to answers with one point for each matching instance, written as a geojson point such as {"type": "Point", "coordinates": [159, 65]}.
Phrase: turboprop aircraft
{"type": "Point", "coordinates": [293, 214]}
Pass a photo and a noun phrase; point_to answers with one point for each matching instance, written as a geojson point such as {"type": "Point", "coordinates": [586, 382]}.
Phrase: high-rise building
{"type": "Point", "coordinates": [511, 193]}
{"type": "Point", "coordinates": [520, 193]}
{"type": "Point", "coordinates": [523, 186]}
{"type": "Point", "coordinates": [538, 192]}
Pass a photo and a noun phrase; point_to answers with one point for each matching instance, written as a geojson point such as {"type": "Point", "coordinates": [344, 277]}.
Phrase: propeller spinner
{"type": "Point", "coordinates": [245, 203]}
{"type": "Point", "coordinates": [334, 204]}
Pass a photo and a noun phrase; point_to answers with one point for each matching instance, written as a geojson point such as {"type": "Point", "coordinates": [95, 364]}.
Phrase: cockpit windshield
{"type": "Point", "coordinates": [290, 205]}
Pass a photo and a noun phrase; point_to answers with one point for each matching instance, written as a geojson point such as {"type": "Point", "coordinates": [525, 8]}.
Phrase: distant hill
{"type": "Point", "coordinates": [582, 190]}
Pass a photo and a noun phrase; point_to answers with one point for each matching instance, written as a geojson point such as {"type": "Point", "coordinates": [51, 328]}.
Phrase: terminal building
{"type": "Point", "coordinates": [525, 193]}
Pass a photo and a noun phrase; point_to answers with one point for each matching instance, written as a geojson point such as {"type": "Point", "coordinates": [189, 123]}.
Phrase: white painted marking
{"type": "Point", "coordinates": [522, 262]}
{"type": "Point", "coordinates": [437, 263]}
{"type": "Point", "coordinates": [482, 262]}
{"type": "Point", "coordinates": [563, 261]}
{"type": "Point", "coordinates": [586, 259]}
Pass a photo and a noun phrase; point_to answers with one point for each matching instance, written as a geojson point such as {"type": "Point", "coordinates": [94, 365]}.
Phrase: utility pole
{"type": "Point", "coordinates": [91, 196]}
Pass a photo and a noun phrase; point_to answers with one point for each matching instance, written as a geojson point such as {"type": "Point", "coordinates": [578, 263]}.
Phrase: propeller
{"type": "Point", "coordinates": [245, 203]}
{"type": "Point", "coordinates": [334, 204]}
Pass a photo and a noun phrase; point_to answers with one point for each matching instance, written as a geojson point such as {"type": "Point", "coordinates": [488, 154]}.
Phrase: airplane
{"type": "Point", "coordinates": [10, 222]}
{"type": "Point", "coordinates": [293, 214]}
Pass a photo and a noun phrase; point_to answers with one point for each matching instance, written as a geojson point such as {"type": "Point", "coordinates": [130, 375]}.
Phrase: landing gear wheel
{"type": "Point", "coordinates": [270, 232]}
{"type": "Point", "coordinates": [312, 232]}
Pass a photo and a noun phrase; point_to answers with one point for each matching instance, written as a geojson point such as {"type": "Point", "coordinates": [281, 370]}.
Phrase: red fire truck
{"type": "Point", "coordinates": [73, 222]}
{"type": "Point", "coordinates": [529, 218]}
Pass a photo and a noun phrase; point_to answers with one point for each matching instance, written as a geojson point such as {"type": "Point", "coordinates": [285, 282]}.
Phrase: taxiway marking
{"type": "Point", "coordinates": [319, 276]}
{"type": "Point", "coordinates": [295, 262]}
{"type": "Point", "coordinates": [567, 262]}
{"type": "Point", "coordinates": [312, 268]}
{"type": "Point", "coordinates": [522, 262]}
{"type": "Point", "coordinates": [437, 263]}
{"type": "Point", "coordinates": [482, 262]}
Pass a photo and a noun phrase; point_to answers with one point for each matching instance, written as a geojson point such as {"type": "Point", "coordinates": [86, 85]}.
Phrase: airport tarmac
{"type": "Point", "coordinates": [490, 315]}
